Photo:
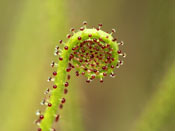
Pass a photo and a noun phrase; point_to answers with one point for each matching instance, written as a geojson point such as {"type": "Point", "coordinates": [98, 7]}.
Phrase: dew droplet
{"type": "Point", "coordinates": [101, 80]}
{"type": "Point", "coordinates": [124, 55]}
{"type": "Point", "coordinates": [61, 41]}
{"type": "Point", "coordinates": [72, 29]}
{"type": "Point", "coordinates": [47, 91]}
{"type": "Point", "coordinates": [121, 62]}
{"type": "Point", "coordinates": [84, 22]}
{"type": "Point", "coordinates": [117, 66]}
{"type": "Point", "coordinates": [112, 75]}
{"type": "Point", "coordinates": [104, 74]}
{"type": "Point", "coordinates": [52, 64]}
{"type": "Point", "coordinates": [60, 58]}
{"type": "Point", "coordinates": [68, 69]}
{"type": "Point", "coordinates": [38, 112]}
{"type": "Point", "coordinates": [49, 104]}
{"type": "Point", "coordinates": [119, 51]}
{"type": "Point", "coordinates": [82, 28]}
{"type": "Point", "coordinates": [41, 117]}
{"type": "Point", "coordinates": [49, 79]}
{"type": "Point", "coordinates": [63, 100]}
{"type": "Point", "coordinates": [113, 30]}
{"type": "Point", "coordinates": [66, 84]}
{"type": "Point", "coordinates": [88, 81]}
{"type": "Point", "coordinates": [68, 36]}
{"type": "Point", "coordinates": [54, 86]}
{"type": "Point", "coordinates": [66, 47]}
{"type": "Point", "coordinates": [112, 66]}
{"type": "Point", "coordinates": [114, 39]}
{"type": "Point", "coordinates": [79, 38]}
{"type": "Point", "coordinates": [121, 43]}
{"type": "Point", "coordinates": [43, 102]}
{"type": "Point", "coordinates": [54, 73]}
{"type": "Point", "coordinates": [90, 35]}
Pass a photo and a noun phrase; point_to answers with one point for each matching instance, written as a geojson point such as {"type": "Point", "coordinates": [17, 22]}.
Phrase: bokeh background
{"type": "Point", "coordinates": [140, 98]}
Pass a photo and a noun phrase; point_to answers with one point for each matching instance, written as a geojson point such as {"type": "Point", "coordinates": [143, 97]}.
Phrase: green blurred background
{"type": "Point", "coordinates": [140, 98]}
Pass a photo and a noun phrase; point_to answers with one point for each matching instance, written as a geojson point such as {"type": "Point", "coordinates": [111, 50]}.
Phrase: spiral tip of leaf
{"type": "Point", "coordinates": [93, 52]}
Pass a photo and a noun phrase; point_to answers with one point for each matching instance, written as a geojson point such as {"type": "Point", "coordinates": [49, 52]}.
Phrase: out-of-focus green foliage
{"type": "Point", "coordinates": [159, 113]}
